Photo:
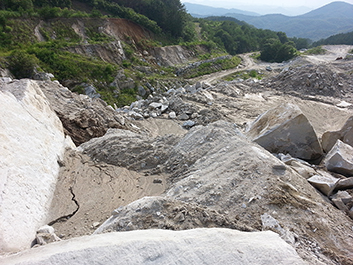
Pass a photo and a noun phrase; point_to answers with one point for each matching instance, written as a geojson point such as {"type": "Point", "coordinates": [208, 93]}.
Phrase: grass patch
{"type": "Point", "coordinates": [315, 51]}
{"type": "Point", "coordinates": [244, 75]}
{"type": "Point", "coordinates": [212, 67]}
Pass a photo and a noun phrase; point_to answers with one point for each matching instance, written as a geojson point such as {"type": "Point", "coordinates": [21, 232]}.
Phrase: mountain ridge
{"type": "Point", "coordinates": [317, 24]}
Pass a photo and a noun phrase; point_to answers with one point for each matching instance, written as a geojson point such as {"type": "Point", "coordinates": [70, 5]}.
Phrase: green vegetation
{"type": "Point", "coordinates": [165, 20]}
{"type": "Point", "coordinates": [211, 67]}
{"type": "Point", "coordinates": [342, 38]}
{"type": "Point", "coordinates": [22, 64]}
{"type": "Point", "coordinates": [274, 50]}
{"type": "Point", "coordinates": [238, 37]}
{"type": "Point", "coordinates": [316, 50]}
{"type": "Point", "coordinates": [244, 75]}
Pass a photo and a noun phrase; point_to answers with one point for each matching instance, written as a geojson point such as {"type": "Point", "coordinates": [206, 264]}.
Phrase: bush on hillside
{"type": "Point", "coordinates": [22, 64]}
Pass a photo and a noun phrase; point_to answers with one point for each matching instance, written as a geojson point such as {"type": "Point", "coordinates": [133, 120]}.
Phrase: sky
{"type": "Point", "coordinates": [279, 3]}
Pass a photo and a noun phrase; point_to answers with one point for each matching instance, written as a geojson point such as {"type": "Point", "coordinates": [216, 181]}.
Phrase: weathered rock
{"type": "Point", "coordinates": [188, 124]}
{"type": "Point", "coordinates": [270, 223]}
{"type": "Point", "coordinates": [344, 196]}
{"type": "Point", "coordinates": [330, 138]}
{"type": "Point", "coordinates": [340, 159]}
{"type": "Point", "coordinates": [191, 247]}
{"type": "Point", "coordinates": [285, 129]}
{"type": "Point", "coordinates": [172, 115]}
{"type": "Point", "coordinates": [123, 82]}
{"type": "Point", "coordinates": [345, 184]}
{"type": "Point", "coordinates": [135, 115]}
{"type": "Point", "coordinates": [304, 170]}
{"type": "Point", "coordinates": [325, 183]}
{"type": "Point", "coordinates": [183, 117]}
{"type": "Point", "coordinates": [31, 150]}
{"type": "Point", "coordinates": [46, 234]}
{"type": "Point", "coordinates": [155, 105]}
{"type": "Point", "coordinates": [83, 118]}
{"type": "Point", "coordinates": [141, 91]}
{"type": "Point", "coordinates": [91, 91]}
{"type": "Point", "coordinates": [164, 213]}
{"type": "Point", "coordinates": [131, 150]}
{"type": "Point", "coordinates": [216, 167]}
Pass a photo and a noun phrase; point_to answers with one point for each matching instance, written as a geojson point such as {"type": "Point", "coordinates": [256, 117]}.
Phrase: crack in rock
{"type": "Point", "coordinates": [67, 217]}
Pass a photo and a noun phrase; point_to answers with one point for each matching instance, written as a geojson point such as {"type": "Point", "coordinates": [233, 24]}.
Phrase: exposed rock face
{"type": "Point", "coordinates": [340, 159]}
{"type": "Point", "coordinates": [172, 55]}
{"type": "Point", "coordinates": [32, 146]}
{"type": "Point", "coordinates": [190, 247]}
{"type": "Point", "coordinates": [83, 118]}
{"type": "Point", "coordinates": [329, 139]}
{"type": "Point", "coordinates": [164, 213]}
{"type": "Point", "coordinates": [132, 150]}
{"type": "Point", "coordinates": [286, 130]}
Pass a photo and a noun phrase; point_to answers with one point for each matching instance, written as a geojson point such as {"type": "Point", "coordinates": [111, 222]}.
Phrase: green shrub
{"type": "Point", "coordinates": [316, 50]}
{"type": "Point", "coordinates": [22, 64]}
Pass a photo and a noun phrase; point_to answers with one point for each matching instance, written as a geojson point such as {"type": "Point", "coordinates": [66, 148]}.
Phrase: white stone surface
{"type": "Point", "coordinates": [31, 143]}
{"type": "Point", "coordinates": [189, 247]}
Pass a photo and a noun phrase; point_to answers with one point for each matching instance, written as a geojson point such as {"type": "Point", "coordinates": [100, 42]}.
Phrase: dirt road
{"type": "Point", "coordinates": [248, 63]}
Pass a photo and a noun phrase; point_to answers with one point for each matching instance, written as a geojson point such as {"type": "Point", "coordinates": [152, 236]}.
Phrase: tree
{"type": "Point", "coordinates": [275, 51]}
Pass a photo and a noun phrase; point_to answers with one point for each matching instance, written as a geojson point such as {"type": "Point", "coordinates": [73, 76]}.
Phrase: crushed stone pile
{"type": "Point", "coordinates": [228, 167]}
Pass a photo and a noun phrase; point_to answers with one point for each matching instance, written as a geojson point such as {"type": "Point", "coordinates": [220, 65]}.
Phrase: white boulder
{"type": "Point", "coordinates": [189, 247]}
{"type": "Point", "coordinates": [32, 142]}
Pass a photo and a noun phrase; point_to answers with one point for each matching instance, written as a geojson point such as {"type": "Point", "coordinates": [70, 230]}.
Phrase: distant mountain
{"type": "Point", "coordinates": [205, 11]}
{"type": "Point", "coordinates": [331, 19]}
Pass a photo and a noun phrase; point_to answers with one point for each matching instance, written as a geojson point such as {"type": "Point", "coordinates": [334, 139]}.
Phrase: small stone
{"type": "Point", "coordinates": [157, 181]}
{"type": "Point", "coordinates": [183, 117]}
{"type": "Point", "coordinates": [326, 184]}
{"type": "Point", "coordinates": [188, 124]}
{"type": "Point", "coordinates": [172, 115]}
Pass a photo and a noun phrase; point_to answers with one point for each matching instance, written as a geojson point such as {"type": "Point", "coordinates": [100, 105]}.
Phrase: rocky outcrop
{"type": "Point", "coordinates": [128, 149]}
{"type": "Point", "coordinates": [164, 213]}
{"type": "Point", "coordinates": [216, 175]}
{"type": "Point", "coordinates": [83, 117]}
{"type": "Point", "coordinates": [31, 150]}
{"type": "Point", "coordinates": [340, 159]}
{"type": "Point", "coordinates": [330, 138]}
{"type": "Point", "coordinates": [198, 246]}
{"type": "Point", "coordinates": [173, 55]}
{"type": "Point", "coordinates": [286, 130]}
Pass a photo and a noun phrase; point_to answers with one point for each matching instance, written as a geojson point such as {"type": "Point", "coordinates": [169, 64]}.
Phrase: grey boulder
{"type": "Point", "coordinates": [286, 130]}
{"type": "Point", "coordinates": [340, 159]}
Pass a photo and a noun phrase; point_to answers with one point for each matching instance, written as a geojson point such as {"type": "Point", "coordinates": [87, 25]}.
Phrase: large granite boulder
{"type": "Point", "coordinates": [32, 144]}
{"type": "Point", "coordinates": [189, 247]}
{"type": "Point", "coordinates": [285, 129]}
{"type": "Point", "coordinates": [330, 138]}
{"type": "Point", "coordinates": [340, 159]}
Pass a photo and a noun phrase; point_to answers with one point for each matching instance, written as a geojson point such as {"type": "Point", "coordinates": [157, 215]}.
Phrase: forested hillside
{"type": "Point", "coordinates": [342, 38]}
{"type": "Point", "coordinates": [39, 36]}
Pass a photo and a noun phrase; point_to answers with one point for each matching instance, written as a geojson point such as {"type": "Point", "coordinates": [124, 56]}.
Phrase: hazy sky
{"type": "Point", "coordinates": [279, 3]}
